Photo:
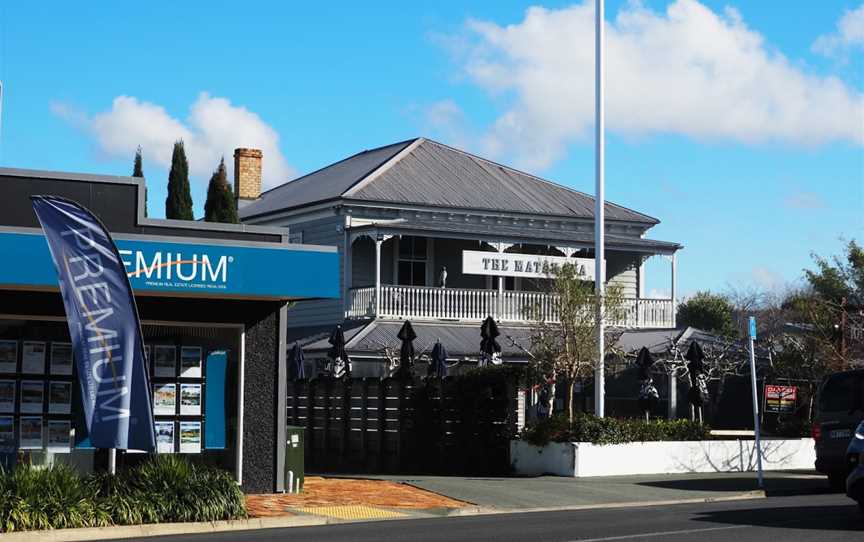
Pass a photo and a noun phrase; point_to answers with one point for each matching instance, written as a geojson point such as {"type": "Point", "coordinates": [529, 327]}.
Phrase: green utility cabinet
{"type": "Point", "coordinates": [295, 469]}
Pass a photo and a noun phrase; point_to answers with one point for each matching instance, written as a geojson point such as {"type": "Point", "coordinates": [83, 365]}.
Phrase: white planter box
{"type": "Point", "coordinates": [578, 459]}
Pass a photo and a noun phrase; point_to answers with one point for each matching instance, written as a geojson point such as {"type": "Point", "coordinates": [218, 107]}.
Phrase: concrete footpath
{"type": "Point", "coordinates": [552, 491]}
{"type": "Point", "coordinates": [444, 496]}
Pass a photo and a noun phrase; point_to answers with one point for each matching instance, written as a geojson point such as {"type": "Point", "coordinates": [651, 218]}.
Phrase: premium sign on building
{"type": "Point", "coordinates": [500, 264]}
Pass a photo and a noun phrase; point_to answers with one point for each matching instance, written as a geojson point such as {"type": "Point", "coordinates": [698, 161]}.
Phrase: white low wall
{"type": "Point", "coordinates": [580, 459]}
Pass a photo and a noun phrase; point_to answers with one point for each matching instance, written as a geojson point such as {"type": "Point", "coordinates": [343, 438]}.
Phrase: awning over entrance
{"type": "Point", "coordinates": [494, 232]}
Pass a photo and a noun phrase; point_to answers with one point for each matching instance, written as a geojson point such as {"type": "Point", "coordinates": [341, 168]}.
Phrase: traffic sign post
{"type": "Point", "coordinates": [756, 429]}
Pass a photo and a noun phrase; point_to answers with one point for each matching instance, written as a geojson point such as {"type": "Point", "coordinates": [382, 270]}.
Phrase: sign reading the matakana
{"type": "Point", "coordinates": [475, 262]}
{"type": "Point", "coordinates": [780, 399]}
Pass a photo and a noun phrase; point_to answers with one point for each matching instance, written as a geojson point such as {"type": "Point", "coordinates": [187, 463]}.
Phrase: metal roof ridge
{"type": "Point", "coordinates": [355, 155]}
{"type": "Point", "coordinates": [383, 167]}
{"type": "Point", "coordinates": [537, 178]}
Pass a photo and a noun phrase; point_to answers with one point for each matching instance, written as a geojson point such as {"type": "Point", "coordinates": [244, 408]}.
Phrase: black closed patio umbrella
{"type": "Point", "coordinates": [406, 351]}
{"type": "Point", "coordinates": [698, 393]}
{"type": "Point", "coordinates": [648, 394]}
{"type": "Point", "coordinates": [340, 364]}
{"type": "Point", "coordinates": [296, 369]}
{"type": "Point", "coordinates": [438, 364]}
{"type": "Point", "coordinates": [490, 350]}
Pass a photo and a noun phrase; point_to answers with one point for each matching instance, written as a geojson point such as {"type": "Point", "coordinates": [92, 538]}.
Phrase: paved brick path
{"type": "Point", "coordinates": [328, 492]}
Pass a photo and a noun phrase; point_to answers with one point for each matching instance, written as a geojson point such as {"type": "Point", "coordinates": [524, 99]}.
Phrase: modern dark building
{"type": "Point", "coordinates": [213, 302]}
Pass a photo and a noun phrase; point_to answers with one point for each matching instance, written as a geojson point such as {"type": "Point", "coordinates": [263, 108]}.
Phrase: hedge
{"type": "Point", "coordinates": [589, 428]}
{"type": "Point", "coordinates": [164, 488]}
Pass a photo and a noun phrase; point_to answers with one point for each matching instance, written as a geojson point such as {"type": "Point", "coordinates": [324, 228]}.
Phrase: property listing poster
{"type": "Point", "coordinates": [33, 357]}
{"type": "Point", "coordinates": [59, 436]}
{"type": "Point", "coordinates": [7, 396]}
{"type": "Point", "coordinates": [164, 399]}
{"type": "Point", "coordinates": [190, 362]}
{"type": "Point", "coordinates": [59, 398]}
{"type": "Point", "coordinates": [7, 434]}
{"type": "Point", "coordinates": [8, 356]}
{"type": "Point", "coordinates": [31, 432]}
{"type": "Point", "coordinates": [164, 360]}
{"type": "Point", "coordinates": [32, 396]}
{"type": "Point", "coordinates": [165, 437]}
{"type": "Point", "coordinates": [190, 437]}
{"type": "Point", "coordinates": [190, 399]}
{"type": "Point", "coordinates": [61, 358]}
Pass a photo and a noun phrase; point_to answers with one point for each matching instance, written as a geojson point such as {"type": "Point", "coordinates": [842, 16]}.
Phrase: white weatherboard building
{"type": "Point", "coordinates": [443, 238]}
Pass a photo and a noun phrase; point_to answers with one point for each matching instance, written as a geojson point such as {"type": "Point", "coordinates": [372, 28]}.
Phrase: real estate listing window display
{"type": "Point", "coordinates": [40, 410]}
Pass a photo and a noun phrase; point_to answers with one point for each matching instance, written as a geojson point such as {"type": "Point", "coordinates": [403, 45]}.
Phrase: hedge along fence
{"type": "Point", "coordinates": [590, 428]}
{"type": "Point", "coordinates": [164, 488]}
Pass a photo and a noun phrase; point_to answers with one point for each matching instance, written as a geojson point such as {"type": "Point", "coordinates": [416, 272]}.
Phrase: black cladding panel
{"type": "Point", "coordinates": [114, 203]}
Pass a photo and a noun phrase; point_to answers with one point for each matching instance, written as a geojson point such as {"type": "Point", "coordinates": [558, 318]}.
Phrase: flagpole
{"type": "Point", "coordinates": [599, 207]}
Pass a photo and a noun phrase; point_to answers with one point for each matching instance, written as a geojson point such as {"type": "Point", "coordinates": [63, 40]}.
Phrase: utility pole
{"type": "Point", "coordinates": [756, 428]}
{"type": "Point", "coordinates": [599, 207]}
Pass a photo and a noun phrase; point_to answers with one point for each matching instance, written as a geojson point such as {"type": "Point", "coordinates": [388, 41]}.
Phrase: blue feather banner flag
{"type": "Point", "coordinates": [103, 324]}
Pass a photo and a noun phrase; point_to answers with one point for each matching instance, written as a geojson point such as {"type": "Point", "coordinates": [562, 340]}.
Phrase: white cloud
{"type": "Point", "coordinates": [848, 36]}
{"type": "Point", "coordinates": [213, 128]}
{"type": "Point", "coordinates": [687, 71]}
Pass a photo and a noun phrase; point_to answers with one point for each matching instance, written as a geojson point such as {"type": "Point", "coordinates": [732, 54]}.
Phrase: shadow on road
{"type": "Point", "coordinates": [825, 518]}
{"type": "Point", "coordinates": [738, 484]}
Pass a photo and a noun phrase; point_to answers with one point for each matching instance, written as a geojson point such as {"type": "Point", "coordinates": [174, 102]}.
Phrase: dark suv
{"type": "Point", "coordinates": [839, 411]}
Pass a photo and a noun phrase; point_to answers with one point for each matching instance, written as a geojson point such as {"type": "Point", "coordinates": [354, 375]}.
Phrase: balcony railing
{"type": "Point", "coordinates": [428, 303]}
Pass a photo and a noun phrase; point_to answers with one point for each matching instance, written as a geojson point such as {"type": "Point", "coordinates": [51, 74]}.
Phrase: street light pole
{"type": "Point", "coordinates": [599, 208]}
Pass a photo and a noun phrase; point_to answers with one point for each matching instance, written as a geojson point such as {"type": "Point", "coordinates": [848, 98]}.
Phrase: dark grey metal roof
{"type": "Point", "coordinates": [456, 179]}
{"type": "Point", "coordinates": [461, 340]}
{"type": "Point", "coordinates": [503, 231]}
{"type": "Point", "coordinates": [429, 173]}
{"type": "Point", "coordinates": [325, 184]}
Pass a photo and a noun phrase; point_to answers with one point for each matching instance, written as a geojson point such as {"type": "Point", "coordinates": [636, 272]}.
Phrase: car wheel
{"type": "Point", "coordinates": [861, 506]}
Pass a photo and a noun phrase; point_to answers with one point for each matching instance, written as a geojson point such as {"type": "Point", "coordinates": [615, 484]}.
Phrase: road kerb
{"type": "Point", "coordinates": [163, 529]}
{"type": "Point", "coordinates": [483, 510]}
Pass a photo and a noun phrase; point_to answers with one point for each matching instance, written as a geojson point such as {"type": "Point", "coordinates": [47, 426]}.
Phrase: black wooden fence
{"type": "Point", "coordinates": [369, 425]}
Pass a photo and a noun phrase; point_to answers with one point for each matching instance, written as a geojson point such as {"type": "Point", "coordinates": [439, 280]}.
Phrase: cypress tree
{"type": "Point", "coordinates": [220, 206]}
{"type": "Point", "coordinates": [137, 168]}
{"type": "Point", "coordinates": [178, 204]}
{"type": "Point", "coordinates": [138, 171]}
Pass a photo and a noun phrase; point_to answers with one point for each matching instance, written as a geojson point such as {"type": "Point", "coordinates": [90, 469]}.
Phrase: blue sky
{"type": "Point", "coordinates": [739, 124]}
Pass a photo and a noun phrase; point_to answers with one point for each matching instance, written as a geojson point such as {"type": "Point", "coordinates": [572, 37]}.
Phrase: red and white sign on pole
{"type": "Point", "coordinates": [780, 399]}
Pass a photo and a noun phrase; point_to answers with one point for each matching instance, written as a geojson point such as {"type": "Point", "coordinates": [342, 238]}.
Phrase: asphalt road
{"type": "Point", "coordinates": [814, 517]}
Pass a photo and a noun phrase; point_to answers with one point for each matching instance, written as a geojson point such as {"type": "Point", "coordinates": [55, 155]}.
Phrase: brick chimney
{"type": "Point", "coordinates": [247, 175]}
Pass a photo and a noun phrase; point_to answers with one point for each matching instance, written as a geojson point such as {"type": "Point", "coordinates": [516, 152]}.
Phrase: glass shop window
{"type": "Point", "coordinates": [412, 261]}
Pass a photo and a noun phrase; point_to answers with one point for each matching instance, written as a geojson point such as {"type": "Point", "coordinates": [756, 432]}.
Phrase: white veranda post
{"type": "Point", "coordinates": [599, 211]}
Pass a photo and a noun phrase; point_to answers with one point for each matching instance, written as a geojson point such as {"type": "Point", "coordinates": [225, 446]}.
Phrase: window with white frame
{"type": "Point", "coordinates": [412, 261]}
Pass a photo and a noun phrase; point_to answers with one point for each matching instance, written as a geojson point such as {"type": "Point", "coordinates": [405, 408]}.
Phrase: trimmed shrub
{"type": "Point", "coordinates": [165, 488]}
{"type": "Point", "coordinates": [590, 428]}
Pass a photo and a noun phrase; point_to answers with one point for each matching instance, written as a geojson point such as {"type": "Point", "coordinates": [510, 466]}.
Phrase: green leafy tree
{"type": "Point", "coordinates": [708, 312]}
{"type": "Point", "coordinates": [138, 171]}
{"type": "Point", "coordinates": [220, 205]}
{"type": "Point", "coordinates": [178, 204]}
{"type": "Point", "coordinates": [830, 311]}
{"type": "Point", "coordinates": [564, 328]}
{"type": "Point", "coordinates": [839, 278]}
